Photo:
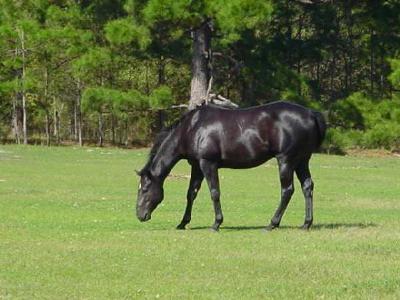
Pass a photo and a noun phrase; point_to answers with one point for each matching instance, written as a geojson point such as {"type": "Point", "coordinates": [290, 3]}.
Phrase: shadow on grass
{"type": "Point", "coordinates": [283, 227]}
{"type": "Point", "coordinates": [342, 225]}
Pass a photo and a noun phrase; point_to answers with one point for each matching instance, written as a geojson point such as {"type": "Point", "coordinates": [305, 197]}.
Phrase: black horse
{"type": "Point", "coordinates": [211, 137]}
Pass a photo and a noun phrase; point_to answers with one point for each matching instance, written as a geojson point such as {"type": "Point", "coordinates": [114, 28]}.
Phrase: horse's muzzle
{"type": "Point", "coordinates": [144, 218]}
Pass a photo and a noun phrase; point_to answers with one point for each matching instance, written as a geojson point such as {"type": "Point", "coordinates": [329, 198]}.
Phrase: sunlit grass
{"type": "Point", "coordinates": [68, 230]}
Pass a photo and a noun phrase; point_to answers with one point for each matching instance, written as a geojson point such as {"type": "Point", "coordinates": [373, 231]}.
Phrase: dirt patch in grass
{"type": "Point", "coordinates": [372, 153]}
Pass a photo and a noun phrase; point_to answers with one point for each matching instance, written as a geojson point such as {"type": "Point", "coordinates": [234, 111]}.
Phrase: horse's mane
{"type": "Point", "coordinates": [165, 132]}
{"type": "Point", "coordinates": [159, 139]}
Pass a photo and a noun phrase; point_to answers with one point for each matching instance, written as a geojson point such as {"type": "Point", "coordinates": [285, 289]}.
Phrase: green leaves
{"type": "Point", "coordinates": [100, 99]}
{"type": "Point", "coordinates": [394, 77]}
{"type": "Point", "coordinates": [168, 10]}
{"type": "Point", "coordinates": [6, 32]}
{"type": "Point", "coordinates": [94, 62]}
{"type": "Point", "coordinates": [161, 97]}
{"type": "Point", "coordinates": [123, 32]}
{"type": "Point", "coordinates": [231, 17]}
{"type": "Point", "coordinates": [8, 86]}
{"type": "Point", "coordinates": [234, 17]}
{"type": "Point", "coordinates": [106, 100]}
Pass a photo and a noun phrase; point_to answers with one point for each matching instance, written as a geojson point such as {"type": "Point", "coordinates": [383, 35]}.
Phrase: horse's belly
{"type": "Point", "coordinates": [245, 155]}
{"type": "Point", "coordinates": [242, 164]}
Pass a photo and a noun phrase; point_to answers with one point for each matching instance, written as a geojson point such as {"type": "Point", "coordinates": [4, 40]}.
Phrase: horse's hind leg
{"type": "Point", "coordinates": [307, 185]}
{"type": "Point", "coordinates": [196, 178]}
{"type": "Point", "coordinates": [210, 171]}
{"type": "Point", "coordinates": [287, 189]}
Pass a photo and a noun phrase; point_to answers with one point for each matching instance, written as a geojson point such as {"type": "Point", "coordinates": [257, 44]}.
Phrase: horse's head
{"type": "Point", "coordinates": [150, 194]}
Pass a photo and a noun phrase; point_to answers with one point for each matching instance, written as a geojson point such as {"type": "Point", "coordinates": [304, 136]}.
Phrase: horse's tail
{"type": "Point", "coordinates": [321, 126]}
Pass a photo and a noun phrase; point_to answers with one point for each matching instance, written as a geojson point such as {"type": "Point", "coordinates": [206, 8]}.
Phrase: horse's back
{"type": "Point", "coordinates": [241, 138]}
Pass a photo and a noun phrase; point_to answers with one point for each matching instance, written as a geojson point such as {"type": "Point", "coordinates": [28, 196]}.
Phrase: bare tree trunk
{"type": "Point", "coordinates": [381, 76]}
{"type": "Point", "coordinates": [372, 60]}
{"type": "Point", "coordinates": [24, 112]}
{"type": "Point", "coordinates": [46, 92]}
{"type": "Point", "coordinates": [55, 117]}
{"type": "Point", "coordinates": [299, 51]}
{"type": "Point", "coordinates": [126, 132]}
{"type": "Point", "coordinates": [161, 71]}
{"type": "Point", "coordinates": [80, 141]}
{"type": "Point", "coordinates": [200, 64]}
{"type": "Point", "coordinates": [101, 136]}
{"type": "Point", "coordinates": [56, 121]}
{"type": "Point", "coordinates": [113, 129]}
{"type": "Point", "coordinates": [75, 121]}
{"type": "Point", "coordinates": [47, 128]}
{"type": "Point", "coordinates": [57, 126]}
{"type": "Point", "coordinates": [15, 126]}
{"type": "Point", "coordinates": [24, 127]}
{"type": "Point", "coordinates": [15, 119]}
{"type": "Point", "coordinates": [350, 49]}
{"type": "Point", "coordinates": [120, 133]}
{"type": "Point", "coordinates": [79, 113]}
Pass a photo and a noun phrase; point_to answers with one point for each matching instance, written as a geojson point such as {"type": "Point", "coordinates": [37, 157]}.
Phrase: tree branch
{"type": "Point", "coordinates": [237, 64]}
{"type": "Point", "coordinates": [312, 1]}
{"type": "Point", "coordinates": [222, 101]}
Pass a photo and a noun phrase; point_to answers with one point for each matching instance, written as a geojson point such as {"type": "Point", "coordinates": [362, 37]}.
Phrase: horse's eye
{"type": "Point", "coordinates": [144, 188]}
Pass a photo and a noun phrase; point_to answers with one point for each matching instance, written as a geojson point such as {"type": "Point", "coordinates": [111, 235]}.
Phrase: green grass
{"type": "Point", "coordinates": [68, 231]}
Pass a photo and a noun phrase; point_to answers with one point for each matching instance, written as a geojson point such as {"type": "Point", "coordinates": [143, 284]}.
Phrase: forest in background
{"type": "Point", "coordinates": [112, 71]}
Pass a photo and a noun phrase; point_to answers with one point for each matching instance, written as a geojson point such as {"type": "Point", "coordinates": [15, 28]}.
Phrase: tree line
{"type": "Point", "coordinates": [110, 71]}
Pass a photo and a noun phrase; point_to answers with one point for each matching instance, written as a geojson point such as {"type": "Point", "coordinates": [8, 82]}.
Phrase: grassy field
{"type": "Point", "coordinates": [68, 231]}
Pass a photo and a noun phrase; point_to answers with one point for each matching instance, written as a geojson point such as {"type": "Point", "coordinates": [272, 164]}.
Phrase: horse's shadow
{"type": "Point", "coordinates": [314, 227]}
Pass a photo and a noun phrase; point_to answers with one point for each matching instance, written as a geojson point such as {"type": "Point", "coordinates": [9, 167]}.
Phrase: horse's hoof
{"type": "Point", "coordinates": [181, 227]}
{"type": "Point", "coordinates": [214, 229]}
{"type": "Point", "coordinates": [271, 227]}
{"type": "Point", "coordinates": [305, 227]}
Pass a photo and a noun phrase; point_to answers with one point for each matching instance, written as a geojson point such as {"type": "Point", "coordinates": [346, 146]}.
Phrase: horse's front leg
{"type": "Point", "coordinates": [210, 171]}
{"type": "Point", "coordinates": [196, 178]}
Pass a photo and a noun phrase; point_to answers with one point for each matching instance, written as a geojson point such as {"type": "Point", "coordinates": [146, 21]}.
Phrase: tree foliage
{"type": "Point", "coordinates": [71, 67]}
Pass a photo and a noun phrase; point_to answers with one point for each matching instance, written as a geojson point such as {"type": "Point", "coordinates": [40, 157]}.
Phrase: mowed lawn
{"type": "Point", "coordinates": [68, 231]}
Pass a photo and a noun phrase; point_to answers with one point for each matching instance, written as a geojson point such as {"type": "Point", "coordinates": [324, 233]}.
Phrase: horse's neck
{"type": "Point", "coordinates": [166, 157]}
